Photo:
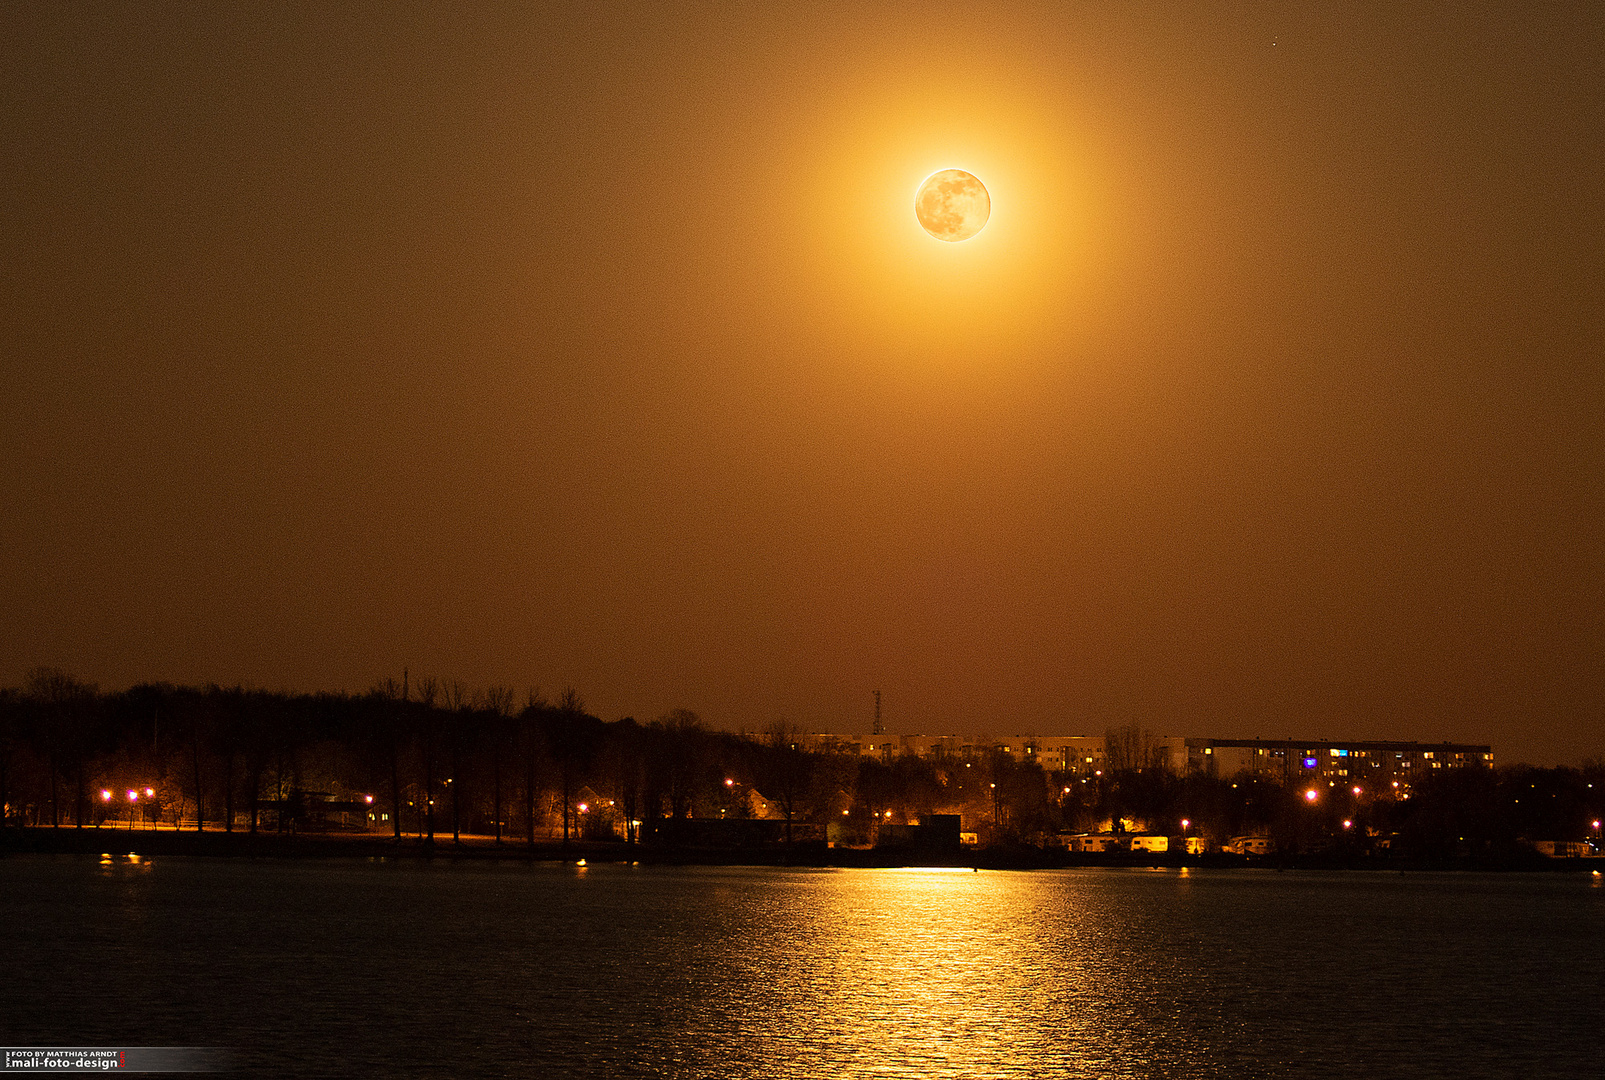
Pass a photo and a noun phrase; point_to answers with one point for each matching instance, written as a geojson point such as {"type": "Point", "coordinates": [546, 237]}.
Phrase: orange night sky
{"type": "Point", "coordinates": [600, 347]}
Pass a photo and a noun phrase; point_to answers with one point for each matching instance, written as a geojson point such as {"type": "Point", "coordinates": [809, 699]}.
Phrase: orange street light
{"type": "Point", "coordinates": [1311, 795]}
{"type": "Point", "coordinates": [133, 796]}
{"type": "Point", "coordinates": [105, 796]}
{"type": "Point", "coordinates": [729, 782]}
{"type": "Point", "coordinates": [1347, 823]}
{"type": "Point", "coordinates": [149, 792]}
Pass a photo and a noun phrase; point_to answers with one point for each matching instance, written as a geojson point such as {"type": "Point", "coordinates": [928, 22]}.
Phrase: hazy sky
{"type": "Point", "coordinates": [592, 346]}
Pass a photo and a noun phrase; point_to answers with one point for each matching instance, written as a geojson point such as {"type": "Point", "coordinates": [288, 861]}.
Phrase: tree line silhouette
{"type": "Point", "coordinates": [430, 758]}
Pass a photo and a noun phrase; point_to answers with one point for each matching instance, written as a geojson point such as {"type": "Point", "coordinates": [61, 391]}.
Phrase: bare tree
{"type": "Point", "coordinates": [573, 738]}
{"type": "Point", "coordinates": [621, 768]}
{"type": "Point", "coordinates": [458, 703]}
{"type": "Point", "coordinates": [199, 722]}
{"type": "Point", "coordinates": [684, 740]}
{"type": "Point", "coordinates": [428, 692]}
{"type": "Point", "coordinates": [1132, 749]}
{"type": "Point", "coordinates": [395, 696]}
{"type": "Point", "coordinates": [786, 771]}
{"type": "Point", "coordinates": [10, 722]}
{"type": "Point", "coordinates": [498, 705]}
{"type": "Point", "coordinates": [65, 704]}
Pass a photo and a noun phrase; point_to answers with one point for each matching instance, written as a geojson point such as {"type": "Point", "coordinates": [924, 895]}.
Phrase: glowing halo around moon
{"type": "Point", "coordinates": [952, 205]}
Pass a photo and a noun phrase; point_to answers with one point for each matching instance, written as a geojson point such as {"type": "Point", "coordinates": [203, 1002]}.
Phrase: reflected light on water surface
{"type": "Point", "coordinates": [686, 973]}
{"type": "Point", "coordinates": [930, 973]}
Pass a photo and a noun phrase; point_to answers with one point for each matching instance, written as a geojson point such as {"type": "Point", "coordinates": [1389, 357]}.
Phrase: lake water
{"type": "Point", "coordinates": [447, 968]}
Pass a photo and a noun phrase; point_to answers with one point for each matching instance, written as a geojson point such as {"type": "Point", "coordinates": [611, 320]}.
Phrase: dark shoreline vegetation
{"type": "Point", "coordinates": [428, 768]}
{"type": "Point", "coordinates": [117, 844]}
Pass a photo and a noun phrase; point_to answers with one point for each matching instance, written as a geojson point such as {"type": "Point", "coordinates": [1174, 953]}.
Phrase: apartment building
{"type": "Point", "coordinates": [1081, 754]}
{"type": "Point", "coordinates": [1370, 765]}
{"type": "Point", "coordinates": [1333, 762]}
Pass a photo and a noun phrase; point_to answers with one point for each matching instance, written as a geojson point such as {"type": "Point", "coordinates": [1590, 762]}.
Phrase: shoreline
{"type": "Point", "coordinates": [218, 844]}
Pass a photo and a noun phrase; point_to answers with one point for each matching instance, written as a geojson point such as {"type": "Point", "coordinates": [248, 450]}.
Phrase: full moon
{"type": "Point", "coordinates": [952, 205]}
